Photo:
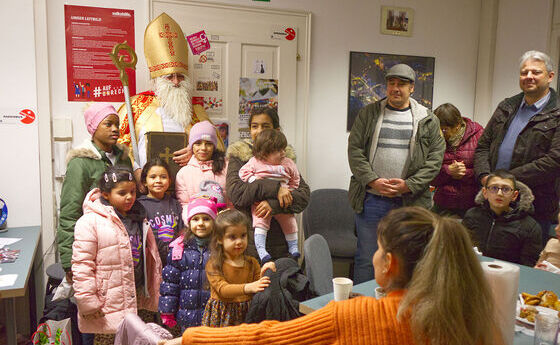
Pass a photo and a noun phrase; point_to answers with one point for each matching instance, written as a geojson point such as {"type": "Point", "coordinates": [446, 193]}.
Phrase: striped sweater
{"type": "Point", "coordinates": [362, 320]}
{"type": "Point", "coordinates": [393, 144]}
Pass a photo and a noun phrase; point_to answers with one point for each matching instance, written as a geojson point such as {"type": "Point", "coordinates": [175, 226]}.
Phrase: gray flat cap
{"type": "Point", "coordinates": [401, 71]}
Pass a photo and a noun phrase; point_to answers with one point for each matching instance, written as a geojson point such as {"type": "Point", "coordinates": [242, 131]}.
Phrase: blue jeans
{"type": "Point", "coordinates": [375, 208]}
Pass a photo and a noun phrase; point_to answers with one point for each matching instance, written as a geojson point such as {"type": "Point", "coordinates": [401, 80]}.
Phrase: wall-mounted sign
{"type": "Point", "coordinates": [17, 116]}
{"type": "Point", "coordinates": [283, 32]}
{"type": "Point", "coordinates": [91, 34]}
{"type": "Point", "coordinates": [198, 42]}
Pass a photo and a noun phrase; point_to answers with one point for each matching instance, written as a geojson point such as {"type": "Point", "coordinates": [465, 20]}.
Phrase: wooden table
{"type": "Point", "coordinates": [23, 266]}
{"type": "Point", "coordinates": [530, 280]}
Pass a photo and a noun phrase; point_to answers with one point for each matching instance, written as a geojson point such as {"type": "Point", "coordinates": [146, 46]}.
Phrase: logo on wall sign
{"type": "Point", "coordinates": [27, 116]}
{"type": "Point", "coordinates": [290, 34]}
{"type": "Point", "coordinates": [281, 32]}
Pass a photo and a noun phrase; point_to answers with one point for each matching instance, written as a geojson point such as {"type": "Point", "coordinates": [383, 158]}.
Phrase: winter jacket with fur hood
{"type": "Point", "coordinates": [85, 164]}
{"type": "Point", "coordinates": [243, 195]}
{"type": "Point", "coordinates": [103, 268]}
{"type": "Point", "coordinates": [513, 236]}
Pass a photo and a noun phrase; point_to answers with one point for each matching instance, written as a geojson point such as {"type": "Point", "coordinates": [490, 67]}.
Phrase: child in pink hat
{"type": "Point", "coordinates": [206, 164]}
{"type": "Point", "coordinates": [85, 164]}
{"type": "Point", "coordinates": [184, 290]}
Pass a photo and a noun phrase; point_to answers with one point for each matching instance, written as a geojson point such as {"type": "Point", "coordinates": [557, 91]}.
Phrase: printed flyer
{"type": "Point", "coordinates": [91, 34]}
{"type": "Point", "coordinates": [207, 81]}
{"type": "Point", "coordinates": [254, 92]}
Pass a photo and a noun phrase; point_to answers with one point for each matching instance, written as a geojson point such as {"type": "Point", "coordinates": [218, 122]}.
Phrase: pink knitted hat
{"type": "Point", "coordinates": [96, 113]}
{"type": "Point", "coordinates": [203, 131]}
{"type": "Point", "coordinates": [201, 205]}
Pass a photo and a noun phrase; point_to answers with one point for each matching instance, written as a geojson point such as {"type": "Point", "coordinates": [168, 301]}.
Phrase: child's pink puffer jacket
{"type": "Point", "coordinates": [103, 270]}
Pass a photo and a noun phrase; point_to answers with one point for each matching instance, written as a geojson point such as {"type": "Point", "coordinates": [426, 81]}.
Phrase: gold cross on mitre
{"type": "Point", "coordinates": [170, 36]}
{"type": "Point", "coordinates": [167, 155]}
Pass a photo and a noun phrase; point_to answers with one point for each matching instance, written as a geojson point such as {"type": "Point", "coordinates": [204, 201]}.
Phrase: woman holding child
{"type": "Point", "coordinates": [272, 198]}
{"type": "Point", "coordinates": [436, 294]}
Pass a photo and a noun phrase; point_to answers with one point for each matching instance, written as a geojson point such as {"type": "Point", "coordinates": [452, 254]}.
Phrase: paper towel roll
{"type": "Point", "coordinates": [503, 279]}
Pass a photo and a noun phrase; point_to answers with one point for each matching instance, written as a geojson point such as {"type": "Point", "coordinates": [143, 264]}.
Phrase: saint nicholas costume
{"type": "Point", "coordinates": [166, 52]}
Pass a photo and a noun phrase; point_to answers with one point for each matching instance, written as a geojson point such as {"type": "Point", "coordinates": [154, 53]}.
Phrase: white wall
{"type": "Point", "coordinates": [522, 25]}
{"type": "Point", "coordinates": [19, 175]}
{"type": "Point", "coordinates": [436, 36]}
{"type": "Point", "coordinates": [61, 107]}
{"type": "Point", "coordinates": [447, 30]}
{"type": "Point", "coordinates": [337, 28]}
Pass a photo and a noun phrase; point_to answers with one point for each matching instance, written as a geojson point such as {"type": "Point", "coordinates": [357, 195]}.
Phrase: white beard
{"type": "Point", "coordinates": [175, 101]}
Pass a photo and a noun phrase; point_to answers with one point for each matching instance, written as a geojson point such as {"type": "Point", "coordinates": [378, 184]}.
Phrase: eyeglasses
{"type": "Point", "coordinates": [495, 189]}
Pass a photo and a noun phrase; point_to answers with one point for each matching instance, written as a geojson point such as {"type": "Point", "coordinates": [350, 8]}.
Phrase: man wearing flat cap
{"type": "Point", "coordinates": [395, 150]}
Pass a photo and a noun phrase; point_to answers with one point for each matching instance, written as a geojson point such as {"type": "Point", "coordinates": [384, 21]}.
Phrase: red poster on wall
{"type": "Point", "coordinates": [91, 34]}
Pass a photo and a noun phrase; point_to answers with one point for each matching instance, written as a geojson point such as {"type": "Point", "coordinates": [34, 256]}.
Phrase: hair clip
{"type": "Point", "coordinates": [129, 176]}
{"type": "Point", "coordinates": [106, 178]}
{"type": "Point", "coordinates": [114, 176]}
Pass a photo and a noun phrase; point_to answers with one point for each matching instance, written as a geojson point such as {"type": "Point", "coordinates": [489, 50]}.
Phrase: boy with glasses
{"type": "Point", "coordinates": [501, 224]}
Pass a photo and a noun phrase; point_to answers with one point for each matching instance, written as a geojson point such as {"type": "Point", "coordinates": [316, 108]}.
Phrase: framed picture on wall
{"type": "Point", "coordinates": [367, 84]}
{"type": "Point", "coordinates": [397, 20]}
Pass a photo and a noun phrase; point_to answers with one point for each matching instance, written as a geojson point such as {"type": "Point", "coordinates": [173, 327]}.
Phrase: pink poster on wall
{"type": "Point", "coordinates": [198, 42]}
{"type": "Point", "coordinates": [91, 34]}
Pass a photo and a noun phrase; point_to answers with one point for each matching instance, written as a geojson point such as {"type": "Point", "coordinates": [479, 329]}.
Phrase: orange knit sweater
{"type": "Point", "coordinates": [359, 321]}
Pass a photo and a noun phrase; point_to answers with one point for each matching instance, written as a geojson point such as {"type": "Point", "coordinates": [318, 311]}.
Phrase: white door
{"type": "Point", "coordinates": [248, 43]}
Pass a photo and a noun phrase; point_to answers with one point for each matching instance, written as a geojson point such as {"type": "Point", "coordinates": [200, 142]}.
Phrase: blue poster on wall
{"type": "Point", "coordinates": [367, 79]}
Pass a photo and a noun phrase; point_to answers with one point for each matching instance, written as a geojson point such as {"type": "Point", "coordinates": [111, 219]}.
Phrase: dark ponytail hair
{"type": "Point", "coordinates": [112, 176]}
{"type": "Point", "coordinates": [218, 161]}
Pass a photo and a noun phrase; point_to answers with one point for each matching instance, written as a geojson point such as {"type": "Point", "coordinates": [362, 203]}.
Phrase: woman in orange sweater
{"type": "Point", "coordinates": [437, 294]}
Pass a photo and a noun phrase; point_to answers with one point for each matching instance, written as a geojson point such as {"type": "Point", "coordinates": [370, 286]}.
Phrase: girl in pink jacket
{"type": "Point", "coordinates": [115, 260]}
{"type": "Point", "coordinates": [206, 164]}
{"type": "Point", "coordinates": [269, 161]}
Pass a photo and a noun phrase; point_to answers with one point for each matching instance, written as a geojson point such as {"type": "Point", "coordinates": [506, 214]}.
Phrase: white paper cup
{"type": "Point", "coordinates": [379, 292]}
{"type": "Point", "coordinates": [342, 288]}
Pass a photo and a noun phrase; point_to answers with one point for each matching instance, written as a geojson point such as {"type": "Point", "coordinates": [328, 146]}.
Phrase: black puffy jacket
{"type": "Point", "coordinates": [513, 236]}
{"type": "Point", "coordinates": [280, 300]}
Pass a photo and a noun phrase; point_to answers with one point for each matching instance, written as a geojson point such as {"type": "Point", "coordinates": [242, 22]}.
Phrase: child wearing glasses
{"type": "Point", "coordinates": [501, 224]}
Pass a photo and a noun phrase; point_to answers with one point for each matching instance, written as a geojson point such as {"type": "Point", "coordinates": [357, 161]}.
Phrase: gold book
{"type": "Point", "coordinates": [162, 145]}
